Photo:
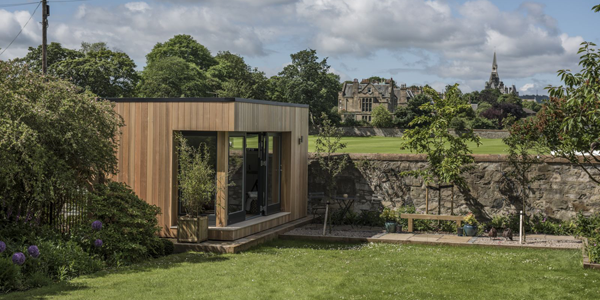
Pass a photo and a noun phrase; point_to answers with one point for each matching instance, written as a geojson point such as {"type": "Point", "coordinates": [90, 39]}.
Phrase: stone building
{"type": "Point", "coordinates": [358, 100]}
{"type": "Point", "coordinates": [495, 83]}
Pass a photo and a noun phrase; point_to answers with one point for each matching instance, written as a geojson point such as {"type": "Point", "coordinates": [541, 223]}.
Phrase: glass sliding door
{"type": "Point", "coordinates": [236, 175]}
{"type": "Point", "coordinates": [273, 173]}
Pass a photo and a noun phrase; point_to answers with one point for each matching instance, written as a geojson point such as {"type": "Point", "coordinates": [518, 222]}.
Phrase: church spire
{"type": "Point", "coordinates": [494, 64]}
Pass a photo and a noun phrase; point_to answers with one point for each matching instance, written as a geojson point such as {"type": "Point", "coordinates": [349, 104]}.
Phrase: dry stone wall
{"type": "Point", "coordinates": [562, 191]}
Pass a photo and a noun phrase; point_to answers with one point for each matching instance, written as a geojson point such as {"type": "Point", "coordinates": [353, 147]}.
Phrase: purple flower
{"type": "Point", "coordinates": [18, 258]}
{"type": "Point", "coordinates": [98, 243]}
{"type": "Point", "coordinates": [97, 225]}
{"type": "Point", "coordinates": [33, 251]}
{"type": "Point", "coordinates": [2, 246]}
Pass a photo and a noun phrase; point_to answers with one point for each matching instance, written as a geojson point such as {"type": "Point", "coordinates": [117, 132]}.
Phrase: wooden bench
{"type": "Point", "coordinates": [411, 217]}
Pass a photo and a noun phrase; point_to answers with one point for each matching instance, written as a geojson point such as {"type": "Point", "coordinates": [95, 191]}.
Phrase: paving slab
{"type": "Point", "coordinates": [425, 238]}
{"type": "Point", "coordinates": [396, 236]}
{"type": "Point", "coordinates": [455, 239]}
{"type": "Point", "coordinates": [560, 238]}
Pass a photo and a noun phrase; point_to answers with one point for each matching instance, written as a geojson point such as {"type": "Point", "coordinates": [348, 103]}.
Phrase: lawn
{"type": "Point", "coordinates": [379, 144]}
{"type": "Point", "coordinates": [309, 270]}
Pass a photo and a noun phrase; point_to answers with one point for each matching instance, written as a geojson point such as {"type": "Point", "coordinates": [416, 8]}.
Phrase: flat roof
{"type": "Point", "coordinates": [207, 99]}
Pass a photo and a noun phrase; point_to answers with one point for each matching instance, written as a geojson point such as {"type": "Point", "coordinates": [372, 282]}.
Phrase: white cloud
{"type": "Point", "coordinates": [526, 87]}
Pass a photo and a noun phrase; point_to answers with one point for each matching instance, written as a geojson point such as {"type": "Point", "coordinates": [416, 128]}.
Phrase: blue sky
{"type": "Point", "coordinates": [418, 42]}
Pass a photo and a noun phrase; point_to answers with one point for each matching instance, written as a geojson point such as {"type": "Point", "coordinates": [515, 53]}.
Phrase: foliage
{"type": "Point", "coordinates": [55, 141]}
{"type": "Point", "coordinates": [389, 215]}
{"type": "Point", "coordinates": [95, 67]}
{"type": "Point", "coordinates": [130, 225]}
{"type": "Point", "coordinates": [489, 95]}
{"type": "Point", "coordinates": [469, 219]}
{"type": "Point", "coordinates": [232, 77]}
{"type": "Point", "coordinates": [448, 155]}
{"type": "Point", "coordinates": [482, 123]}
{"type": "Point", "coordinates": [569, 123]}
{"type": "Point", "coordinates": [185, 47]}
{"type": "Point", "coordinates": [502, 113]}
{"type": "Point", "coordinates": [173, 77]}
{"type": "Point", "coordinates": [196, 177]}
{"type": "Point", "coordinates": [381, 117]}
{"type": "Point", "coordinates": [334, 116]}
{"type": "Point", "coordinates": [532, 105]}
{"type": "Point", "coordinates": [327, 144]}
{"type": "Point", "coordinates": [404, 115]}
{"type": "Point", "coordinates": [307, 81]}
{"type": "Point", "coordinates": [522, 158]}
{"type": "Point", "coordinates": [459, 124]}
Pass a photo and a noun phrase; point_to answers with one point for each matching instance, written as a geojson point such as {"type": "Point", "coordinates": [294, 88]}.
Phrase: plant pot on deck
{"type": "Point", "coordinates": [192, 229]}
{"type": "Point", "coordinates": [390, 227]}
{"type": "Point", "coordinates": [470, 230]}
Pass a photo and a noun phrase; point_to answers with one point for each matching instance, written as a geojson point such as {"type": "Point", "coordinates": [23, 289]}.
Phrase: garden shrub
{"type": "Point", "coordinates": [381, 117]}
{"type": "Point", "coordinates": [9, 274]}
{"type": "Point", "coordinates": [169, 247]}
{"type": "Point", "coordinates": [130, 226]}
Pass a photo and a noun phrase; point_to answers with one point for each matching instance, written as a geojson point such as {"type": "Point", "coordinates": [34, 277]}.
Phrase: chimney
{"type": "Point", "coordinates": [355, 86]}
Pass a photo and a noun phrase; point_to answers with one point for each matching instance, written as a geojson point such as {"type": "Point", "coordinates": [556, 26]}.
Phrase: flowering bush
{"type": "Point", "coordinates": [389, 215]}
{"type": "Point", "coordinates": [2, 246]}
{"type": "Point", "coordinates": [98, 243]}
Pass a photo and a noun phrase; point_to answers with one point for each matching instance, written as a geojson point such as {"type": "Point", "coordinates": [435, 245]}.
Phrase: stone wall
{"type": "Point", "coordinates": [396, 132]}
{"type": "Point", "coordinates": [563, 190]}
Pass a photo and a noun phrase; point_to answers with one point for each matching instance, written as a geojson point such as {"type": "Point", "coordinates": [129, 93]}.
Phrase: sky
{"type": "Point", "coordinates": [435, 42]}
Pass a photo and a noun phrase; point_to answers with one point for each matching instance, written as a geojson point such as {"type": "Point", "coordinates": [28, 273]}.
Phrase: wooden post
{"type": "Point", "coordinates": [439, 199]}
{"type": "Point", "coordinates": [452, 202]}
{"type": "Point", "coordinates": [426, 199]}
{"type": "Point", "coordinates": [221, 212]}
{"type": "Point", "coordinates": [326, 214]}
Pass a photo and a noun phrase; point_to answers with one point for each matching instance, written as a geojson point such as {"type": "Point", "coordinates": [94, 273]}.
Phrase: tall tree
{"type": "Point", "coordinates": [173, 77]}
{"type": "Point", "coordinates": [232, 77]}
{"type": "Point", "coordinates": [307, 81]}
{"type": "Point", "coordinates": [185, 47]}
{"type": "Point", "coordinates": [94, 67]}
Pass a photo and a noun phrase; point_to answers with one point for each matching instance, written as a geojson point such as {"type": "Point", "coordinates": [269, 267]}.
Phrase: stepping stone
{"type": "Point", "coordinates": [396, 236]}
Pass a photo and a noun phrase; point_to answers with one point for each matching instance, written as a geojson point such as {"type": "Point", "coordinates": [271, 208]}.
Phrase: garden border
{"type": "Point", "coordinates": [586, 260]}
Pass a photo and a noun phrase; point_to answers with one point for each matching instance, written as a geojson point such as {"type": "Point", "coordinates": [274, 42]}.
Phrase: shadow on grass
{"type": "Point", "coordinates": [167, 262]}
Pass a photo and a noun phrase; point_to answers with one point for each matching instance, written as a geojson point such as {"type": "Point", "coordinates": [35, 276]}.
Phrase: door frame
{"type": "Point", "coordinates": [238, 216]}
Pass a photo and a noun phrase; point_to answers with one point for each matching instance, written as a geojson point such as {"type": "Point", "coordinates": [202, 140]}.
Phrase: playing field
{"type": "Point", "coordinates": [379, 144]}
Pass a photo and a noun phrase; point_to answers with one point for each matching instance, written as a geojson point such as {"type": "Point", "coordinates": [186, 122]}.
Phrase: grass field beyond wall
{"type": "Point", "coordinates": [379, 144]}
{"type": "Point", "coordinates": [308, 270]}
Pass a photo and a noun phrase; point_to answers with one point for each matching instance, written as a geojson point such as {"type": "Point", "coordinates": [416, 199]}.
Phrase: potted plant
{"type": "Point", "coordinates": [470, 227]}
{"type": "Point", "coordinates": [389, 216]}
{"type": "Point", "coordinates": [197, 184]}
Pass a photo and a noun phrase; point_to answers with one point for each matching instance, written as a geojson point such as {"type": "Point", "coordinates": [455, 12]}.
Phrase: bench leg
{"type": "Point", "coordinates": [458, 223]}
{"type": "Point", "coordinates": [410, 225]}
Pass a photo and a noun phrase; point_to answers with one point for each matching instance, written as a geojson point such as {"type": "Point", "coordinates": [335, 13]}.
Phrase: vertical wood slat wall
{"type": "Point", "coordinates": [146, 148]}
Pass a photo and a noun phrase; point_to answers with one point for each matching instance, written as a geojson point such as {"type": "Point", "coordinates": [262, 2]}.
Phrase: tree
{"type": "Point", "coordinates": [510, 98]}
{"type": "Point", "coordinates": [173, 77]}
{"type": "Point", "coordinates": [532, 105]}
{"type": "Point", "coordinates": [403, 116]}
{"type": "Point", "coordinates": [307, 81]}
{"type": "Point", "coordinates": [327, 144]}
{"type": "Point", "coordinates": [185, 47]}
{"type": "Point", "coordinates": [55, 140]}
{"type": "Point", "coordinates": [381, 117]}
{"type": "Point", "coordinates": [569, 123]}
{"type": "Point", "coordinates": [489, 95]}
{"type": "Point", "coordinates": [448, 155]}
{"type": "Point", "coordinates": [94, 67]}
{"type": "Point", "coordinates": [504, 113]}
{"type": "Point", "coordinates": [232, 77]}
{"type": "Point", "coordinates": [523, 151]}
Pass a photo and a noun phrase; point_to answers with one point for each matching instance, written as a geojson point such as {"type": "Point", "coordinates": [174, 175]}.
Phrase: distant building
{"type": "Point", "coordinates": [358, 100]}
{"type": "Point", "coordinates": [495, 83]}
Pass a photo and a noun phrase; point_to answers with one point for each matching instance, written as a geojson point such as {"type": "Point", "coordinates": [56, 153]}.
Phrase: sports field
{"type": "Point", "coordinates": [378, 144]}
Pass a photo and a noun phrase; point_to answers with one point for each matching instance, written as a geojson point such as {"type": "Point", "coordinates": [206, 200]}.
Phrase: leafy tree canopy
{"type": "Point", "coordinates": [54, 139]}
{"type": "Point", "coordinates": [94, 67]}
{"type": "Point", "coordinates": [185, 47]}
{"type": "Point", "coordinates": [381, 117]}
{"type": "Point", "coordinates": [232, 77]}
{"type": "Point", "coordinates": [173, 77]}
{"type": "Point", "coordinates": [307, 81]}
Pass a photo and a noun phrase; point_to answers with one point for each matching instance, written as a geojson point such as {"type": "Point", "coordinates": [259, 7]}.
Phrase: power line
{"type": "Point", "coordinates": [17, 4]}
{"type": "Point", "coordinates": [13, 40]}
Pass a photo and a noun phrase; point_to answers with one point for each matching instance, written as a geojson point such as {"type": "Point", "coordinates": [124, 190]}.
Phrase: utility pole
{"type": "Point", "coordinates": [45, 14]}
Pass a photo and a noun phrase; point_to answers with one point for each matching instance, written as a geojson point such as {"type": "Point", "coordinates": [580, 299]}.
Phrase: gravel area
{"type": "Point", "coordinates": [550, 241]}
{"type": "Point", "coordinates": [343, 230]}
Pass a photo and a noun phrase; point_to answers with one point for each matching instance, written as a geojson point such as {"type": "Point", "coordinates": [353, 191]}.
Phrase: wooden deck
{"type": "Point", "coordinates": [246, 228]}
{"type": "Point", "coordinates": [243, 243]}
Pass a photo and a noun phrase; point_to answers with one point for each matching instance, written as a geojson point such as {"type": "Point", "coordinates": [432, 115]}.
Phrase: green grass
{"type": "Point", "coordinates": [379, 144]}
{"type": "Point", "coordinates": [308, 270]}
